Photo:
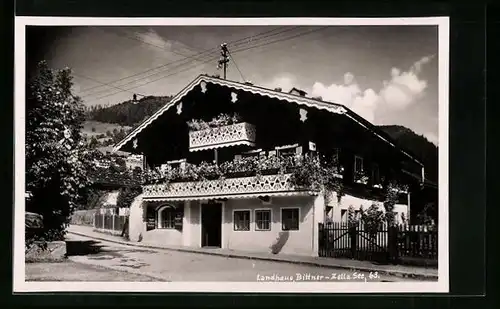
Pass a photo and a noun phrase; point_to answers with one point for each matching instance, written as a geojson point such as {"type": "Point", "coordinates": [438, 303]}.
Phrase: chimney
{"type": "Point", "coordinates": [297, 91]}
{"type": "Point", "coordinates": [248, 82]}
{"type": "Point", "coordinates": [278, 89]}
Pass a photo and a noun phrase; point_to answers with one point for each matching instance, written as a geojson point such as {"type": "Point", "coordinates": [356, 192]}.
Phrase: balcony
{"type": "Point", "coordinates": [255, 174]}
{"type": "Point", "coordinates": [242, 133]}
{"type": "Point", "coordinates": [274, 185]}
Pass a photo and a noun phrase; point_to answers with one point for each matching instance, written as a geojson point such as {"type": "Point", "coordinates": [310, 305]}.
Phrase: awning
{"type": "Point", "coordinates": [230, 196]}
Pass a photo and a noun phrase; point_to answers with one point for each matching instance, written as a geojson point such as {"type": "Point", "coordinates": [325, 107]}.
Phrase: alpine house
{"type": "Point", "coordinates": [236, 166]}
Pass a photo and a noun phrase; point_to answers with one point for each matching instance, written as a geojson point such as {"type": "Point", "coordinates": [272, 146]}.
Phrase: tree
{"type": "Point", "coordinates": [57, 157]}
{"type": "Point", "coordinates": [372, 219]}
{"type": "Point", "coordinates": [93, 142]}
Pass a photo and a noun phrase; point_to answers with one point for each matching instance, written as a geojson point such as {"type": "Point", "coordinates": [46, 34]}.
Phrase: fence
{"type": "Point", "coordinates": [109, 220]}
{"type": "Point", "coordinates": [395, 244]}
{"type": "Point", "coordinates": [83, 217]}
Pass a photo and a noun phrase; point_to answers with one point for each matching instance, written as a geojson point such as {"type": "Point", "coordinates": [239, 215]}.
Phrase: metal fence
{"type": "Point", "coordinates": [393, 244]}
{"type": "Point", "coordinates": [111, 222]}
{"type": "Point", "coordinates": [83, 217]}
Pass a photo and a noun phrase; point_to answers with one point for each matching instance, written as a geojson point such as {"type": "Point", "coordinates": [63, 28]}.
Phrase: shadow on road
{"type": "Point", "coordinates": [82, 247]}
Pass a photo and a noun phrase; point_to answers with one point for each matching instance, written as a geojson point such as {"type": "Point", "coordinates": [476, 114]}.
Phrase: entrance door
{"type": "Point", "coordinates": [211, 225]}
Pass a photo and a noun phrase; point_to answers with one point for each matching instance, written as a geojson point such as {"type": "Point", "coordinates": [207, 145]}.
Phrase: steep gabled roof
{"type": "Point", "coordinates": [288, 97]}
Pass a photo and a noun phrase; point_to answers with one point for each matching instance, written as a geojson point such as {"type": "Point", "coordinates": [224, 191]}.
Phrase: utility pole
{"type": "Point", "coordinates": [224, 59]}
{"type": "Point", "coordinates": [222, 63]}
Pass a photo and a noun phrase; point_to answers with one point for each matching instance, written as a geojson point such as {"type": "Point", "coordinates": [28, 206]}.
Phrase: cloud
{"type": "Point", "coordinates": [284, 81]}
{"type": "Point", "coordinates": [402, 90]}
{"type": "Point", "coordinates": [349, 94]}
{"type": "Point", "coordinates": [151, 37]}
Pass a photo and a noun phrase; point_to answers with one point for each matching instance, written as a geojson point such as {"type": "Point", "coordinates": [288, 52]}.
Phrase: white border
{"type": "Point", "coordinates": [19, 284]}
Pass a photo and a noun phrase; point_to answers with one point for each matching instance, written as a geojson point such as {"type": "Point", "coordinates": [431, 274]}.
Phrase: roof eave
{"type": "Point", "coordinates": [300, 100]}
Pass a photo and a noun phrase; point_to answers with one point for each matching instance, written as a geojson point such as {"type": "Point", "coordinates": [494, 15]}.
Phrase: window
{"type": "Point", "coordinates": [287, 151]}
{"type": "Point", "coordinates": [343, 215]}
{"type": "Point", "coordinates": [290, 219]}
{"type": "Point", "coordinates": [336, 156]}
{"type": "Point", "coordinates": [263, 220]}
{"type": "Point", "coordinates": [166, 218]}
{"type": "Point", "coordinates": [358, 164]}
{"type": "Point", "coordinates": [357, 215]}
{"type": "Point", "coordinates": [241, 220]}
{"type": "Point", "coordinates": [375, 174]}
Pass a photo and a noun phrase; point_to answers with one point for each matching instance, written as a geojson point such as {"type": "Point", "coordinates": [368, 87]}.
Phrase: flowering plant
{"type": "Point", "coordinates": [360, 177]}
{"type": "Point", "coordinates": [308, 173]}
{"type": "Point", "coordinates": [218, 121]}
{"type": "Point", "coordinates": [317, 175]}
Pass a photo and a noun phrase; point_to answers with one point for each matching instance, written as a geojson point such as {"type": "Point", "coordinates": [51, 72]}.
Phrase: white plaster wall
{"type": "Point", "coordinates": [294, 242]}
{"type": "Point", "coordinates": [167, 237]}
{"type": "Point", "coordinates": [348, 200]}
{"type": "Point", "coordinates": [137, 225]}
{"type": "Point", "coordinates": [195, 226]}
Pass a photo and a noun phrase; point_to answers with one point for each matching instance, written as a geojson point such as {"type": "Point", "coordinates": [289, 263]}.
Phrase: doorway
{"type": "Point", "coordinates": [211, 225]}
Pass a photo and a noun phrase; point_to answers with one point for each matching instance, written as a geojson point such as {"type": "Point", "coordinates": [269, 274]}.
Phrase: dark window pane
{"type": "Point", "coordinates": [290, 219]}
{"type": "Point", "coordinates": [263, 219]}
{"type": "Point", "coordinates": [242, 220]}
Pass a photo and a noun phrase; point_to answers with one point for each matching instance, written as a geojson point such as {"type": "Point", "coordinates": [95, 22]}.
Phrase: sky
{"type": "Point", "coordinates": [386, 74]}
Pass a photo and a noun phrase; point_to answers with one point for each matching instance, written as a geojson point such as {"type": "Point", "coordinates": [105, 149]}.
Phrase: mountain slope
{"type": "Point", "coordinates": [417, 144]}
{"type": "Point", "coordinates": [127, 113]}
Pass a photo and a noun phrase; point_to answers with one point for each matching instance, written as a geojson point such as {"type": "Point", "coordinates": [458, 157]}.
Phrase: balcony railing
{"type": "Point", "coordinates": [244, 176]}
{"type": "Point", "coordinates": [231, 187]}
{"type": "Point", "coordinates": [236, 134]}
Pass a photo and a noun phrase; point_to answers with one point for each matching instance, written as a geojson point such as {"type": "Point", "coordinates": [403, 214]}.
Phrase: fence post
{"type": "Point", "coordinates": [392, 238]}
{"type": "Point", "coordinates": [353, 236]}
{"type": "Point", "coordinates": [103, 220]}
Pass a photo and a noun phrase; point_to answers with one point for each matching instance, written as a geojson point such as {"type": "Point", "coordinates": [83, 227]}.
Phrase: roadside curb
{"type": "Point", "coordinates": [401, 274]}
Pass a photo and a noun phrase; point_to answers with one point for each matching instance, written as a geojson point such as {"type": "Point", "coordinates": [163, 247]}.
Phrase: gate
{"type": "Point", "coordinates": [344, 240]}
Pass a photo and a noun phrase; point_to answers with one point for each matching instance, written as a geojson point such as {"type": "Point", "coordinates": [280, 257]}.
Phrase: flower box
{"type": "Point", "coordinates": [240, 174]}
{"type": "Point", "coordinates": [271, 171]}
{"type": "Point", "coordinates": [230, 135]}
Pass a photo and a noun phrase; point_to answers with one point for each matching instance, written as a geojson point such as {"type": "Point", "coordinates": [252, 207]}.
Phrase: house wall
{"type": "Point", "coordinates": [289, 242]}
{"type": "Point", "coordinates": [167, 237]}
{"type": "Point", "coordinates": [336, 214]}
{"type": "Point", "coordinates": [195, 225]}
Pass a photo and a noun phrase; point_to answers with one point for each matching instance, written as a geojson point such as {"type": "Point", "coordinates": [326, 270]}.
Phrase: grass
{"type": "Point", "coordinates": [100, 127]}
{"type": "Point", "coordinates": [71, 271]}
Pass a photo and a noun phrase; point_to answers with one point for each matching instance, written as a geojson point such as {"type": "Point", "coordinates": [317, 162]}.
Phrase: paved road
{"type": "Point", "coordinates": [183, 266]}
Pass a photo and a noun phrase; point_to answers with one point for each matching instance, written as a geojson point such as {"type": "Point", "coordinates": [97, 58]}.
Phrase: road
{"type": "Point", "coordinates": [184, 266]}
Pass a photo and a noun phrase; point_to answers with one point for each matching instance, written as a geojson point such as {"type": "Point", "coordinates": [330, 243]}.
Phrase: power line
{"type": "Point", "coordinates": [239, 50]}
{"type": "Point", "coordinates": [281, 40]}
{"type": "Point", "coordinates": [160, 72]}
{"type": "Point", "coordinates": [105, 84]}
{"type": "Point", "coordinates": [232, 58]}
{"type": "Point", "coordinates": [122, 34]}
{"type": "Point", "coordinates": [251, 40]}
{"type": "Point", "coordinates": [145, 77]}
{"type": "Point", "coordinates": [203, 52]}
{"type": "Point", "coordinates": [154, 80]}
